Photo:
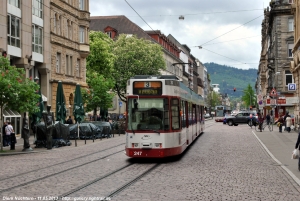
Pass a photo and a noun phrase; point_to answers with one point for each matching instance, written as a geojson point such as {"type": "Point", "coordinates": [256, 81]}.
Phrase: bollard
{"type": "Point", "coordinates": [12, 141]}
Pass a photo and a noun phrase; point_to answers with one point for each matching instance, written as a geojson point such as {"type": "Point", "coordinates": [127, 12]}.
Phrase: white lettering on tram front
{"type": "Point", "coordinates": [137, 153]}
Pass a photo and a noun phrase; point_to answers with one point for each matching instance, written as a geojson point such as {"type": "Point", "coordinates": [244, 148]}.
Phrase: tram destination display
{"type": "Point", "coordinates": [150, 88]}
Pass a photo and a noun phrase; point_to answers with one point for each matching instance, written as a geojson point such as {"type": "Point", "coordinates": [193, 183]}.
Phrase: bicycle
{"type": "Point", "coordinates": [262, 126]}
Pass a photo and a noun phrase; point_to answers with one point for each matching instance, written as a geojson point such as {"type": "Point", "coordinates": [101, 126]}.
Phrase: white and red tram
{"type": "Point", "coordinates": [163, 116]}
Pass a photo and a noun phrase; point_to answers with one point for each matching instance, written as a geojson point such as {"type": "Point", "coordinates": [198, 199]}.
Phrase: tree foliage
{"type": "Point", "coordinates": [17, 92]}
{"type": "Point", "coordinates": [99, 94]}
{"type": "Point", "coordinates": [214, 99]}
{"type": "Point", "coordinates": [100, 71]}
{"type": "Point", "coordinates": [249, 95]}
{"type": "Point", "coordinates": [135, 57]}
{"type": "Point", "coordinates": [101, 58]}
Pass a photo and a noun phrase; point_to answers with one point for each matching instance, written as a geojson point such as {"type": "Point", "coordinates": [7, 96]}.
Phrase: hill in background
{"type": "Point", "coordinates": [229, 77]}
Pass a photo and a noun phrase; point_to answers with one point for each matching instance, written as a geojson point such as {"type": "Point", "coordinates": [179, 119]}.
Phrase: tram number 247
{"type": "Point", "coordinates": [137, 153]}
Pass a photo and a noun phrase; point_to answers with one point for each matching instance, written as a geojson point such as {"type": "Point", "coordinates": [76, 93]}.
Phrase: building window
{"type": "Point", "coordinates": [13, 31]}
{"type": "Point", "coordinates": [291, 1]}
{"type": "Point", "coordinates": [109, 34]}
{"type": "Point", "coordinates": [81, 4]}
{"type": "Point", "coordinates": [81, 34]}
{"type": "Point", "coordinates": [288, 77]}
{"type": "Point", "coordinates": [37, 8]}
{"type": "Point", "coordinates": [14, 3]}
{"type": "Point", "coordinates": [290, 49]}
{"type": "Point", "coordinates": [78, 68]}
{"type": "Point", "coordinates": [70, 29]}
{"type": "Point", "coordinates": [291, 24]}
{"type": "Point", "coordinates": [69, 64]}
{"type": "Point", "coordinates": [58, 24]}
{"type": "Point", "coordinates": [37, 39]}
{"type": "Point", "coordinates": [58, 62]}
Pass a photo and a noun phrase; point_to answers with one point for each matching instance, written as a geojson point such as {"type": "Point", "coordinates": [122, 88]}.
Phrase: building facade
{"type": "Point", "coordinates": [274, 74]}
{"type": "Point", "coordinates": [49, 39]}
{"type": "Point", "coordinates": [25, 38]}
{"type": "Point", "coordinates": [69, 39]}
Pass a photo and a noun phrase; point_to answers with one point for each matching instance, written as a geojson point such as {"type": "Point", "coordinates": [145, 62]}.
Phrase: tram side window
{"type": "Point", "coordinates": [183, 117]}
{"type": "Point", "coordinates": [190, 113]}
{"type": "Point", "coordinates": [175, 114]}
{"type": "Point", "coordinates": [166, 114]}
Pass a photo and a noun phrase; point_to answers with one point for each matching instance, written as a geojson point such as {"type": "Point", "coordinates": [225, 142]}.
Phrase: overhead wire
{"type": "Point", "coordinates": [232, 40]}
{"type": "Point", "coordinates": [231, 30]}
{"type": "Point", "coordinates": [203, 13]}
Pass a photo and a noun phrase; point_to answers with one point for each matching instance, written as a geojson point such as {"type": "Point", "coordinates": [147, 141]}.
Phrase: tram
{"type": "Point", "coordinates": [163, 116]}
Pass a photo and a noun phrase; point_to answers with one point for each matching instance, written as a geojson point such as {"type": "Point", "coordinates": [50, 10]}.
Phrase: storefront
{"type": "Point", "coordinates": [15, 119]}
{"type": "Point", "coordinates": [279, 106]}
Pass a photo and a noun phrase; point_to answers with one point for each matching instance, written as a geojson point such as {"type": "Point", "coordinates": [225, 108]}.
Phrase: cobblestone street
{"type": "Point", "coordinates": [225, 163]}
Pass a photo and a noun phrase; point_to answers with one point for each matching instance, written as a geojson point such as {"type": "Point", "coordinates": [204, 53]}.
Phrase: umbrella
{"type": "Point", "coordinates": [78, 108]}
{"type": "Point", "coordinates": [60, 104]}
{"type": "Point", "coordinates": [78, 105]}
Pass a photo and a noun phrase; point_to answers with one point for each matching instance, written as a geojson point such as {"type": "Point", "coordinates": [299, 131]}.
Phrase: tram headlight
{"type": "Point", "coordinates": [158, 145]}
{"type": "Point", "coordinates": [134, 145]}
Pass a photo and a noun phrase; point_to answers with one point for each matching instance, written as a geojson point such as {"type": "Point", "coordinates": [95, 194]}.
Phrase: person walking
{"type": "Point", "coordinates": [4, 134]}
{"type": "Point", "coordinates": [8, 130]}
{"type": "Point", "coordinates": [69, 121]}
{"type": "Point", "coordinates": [268, 118]}
{"type": "Point", "coordinates": [260, 121]}
{"type": "Point", "coordinates": [298, 147]}
{"type": "Point", "coordinates": [288, 123]}
{"type": "Point", "coordinates": [284, 118]}
{"type": "Point", "coordinates": [281, 121]}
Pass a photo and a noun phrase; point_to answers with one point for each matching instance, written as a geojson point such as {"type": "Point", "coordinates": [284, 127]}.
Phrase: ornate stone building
{"type": "Point", "coordinates": [295, 64]}
{"type": "Point", "coordinates": [276, 55]}
{"type": "Point", "coordinates": [70, 20]}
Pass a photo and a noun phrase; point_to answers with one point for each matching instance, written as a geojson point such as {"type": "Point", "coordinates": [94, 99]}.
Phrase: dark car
{"type": "Point", "coordinates": [242, 117]}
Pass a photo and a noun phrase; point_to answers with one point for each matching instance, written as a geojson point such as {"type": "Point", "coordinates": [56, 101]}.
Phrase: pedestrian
{"type": "Point", "coordinates": [98, 118]}
{"type": "Point", "coordinates": [260, 121]}
{"type": "Point", "coordinates": [69, 121]}
{"type": "Point", "coordinates": [284, 118]}
{"type": "Point", "coordinates": [8, 130]}
{"type": "Point", "coordinates": [4, 134]}
{"type": "Point", "coordinates": [298, 147]}
{"type": "Point", "coordinates": [280, 123]}
{"type": "Point", "coordinates": [288, 123]}
{"type": "Point", "coordinates": [268, 118]}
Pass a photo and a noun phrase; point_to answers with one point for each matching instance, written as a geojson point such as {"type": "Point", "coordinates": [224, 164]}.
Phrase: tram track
{"type": "Point", "coordinates": [108, 175]}
{"type": "Point", "coordinates": [56, 173]}
{"type": "Point", "coordinates": [83, 156]}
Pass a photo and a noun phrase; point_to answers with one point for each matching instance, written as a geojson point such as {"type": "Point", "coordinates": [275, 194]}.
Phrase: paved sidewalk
{"type": "Point", "coordinates": [280, 146]}
{"type": "Point", "coordinates": [20, 143]}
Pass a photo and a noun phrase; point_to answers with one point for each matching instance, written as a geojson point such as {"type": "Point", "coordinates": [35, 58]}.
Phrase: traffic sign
{"type": "Point", "coordinates": [291, 87]}
{"type": "Point", "coordinates": [273, 93]}
{"type": "Point", "coordinates": [120, 103]}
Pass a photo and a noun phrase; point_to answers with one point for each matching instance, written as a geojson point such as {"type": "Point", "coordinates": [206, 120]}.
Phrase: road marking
{"type": "Point", "coordinates": [277, 161]}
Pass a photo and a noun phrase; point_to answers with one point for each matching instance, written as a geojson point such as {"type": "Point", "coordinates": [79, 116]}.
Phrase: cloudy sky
{"type": "Point", "coordinates": [228, 30]}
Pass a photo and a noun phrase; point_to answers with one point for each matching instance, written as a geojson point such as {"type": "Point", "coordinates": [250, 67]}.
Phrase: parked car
{"type": "Point", "coordinates": [242, 117]}
{"type": "Point", "coordinates": [207, 116]}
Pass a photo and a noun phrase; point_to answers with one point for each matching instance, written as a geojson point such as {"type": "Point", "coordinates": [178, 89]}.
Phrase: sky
{"type": "Point", "coordinates": [229, 31]}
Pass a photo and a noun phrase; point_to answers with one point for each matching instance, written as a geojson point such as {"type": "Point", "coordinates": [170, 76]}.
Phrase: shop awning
{"type": "Point", "coordinates": [44, 98]}
{"type": "Point", "coordinates": [10, 113]}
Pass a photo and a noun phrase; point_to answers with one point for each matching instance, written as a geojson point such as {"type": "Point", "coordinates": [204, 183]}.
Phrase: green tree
{"type": "Point", "coordinates": [135, 57]}
{"type": "Point", "coordinates": [101, 58]}
{"type": "Point", "coordinates": [248, 95]}
{"type": "Point", "coordinates": [17, 92]}
{"type": "Point", "coordinates": [99, 94]}
{"type": "Point", "coordinates": [214, 99]}
{"type": "Point", "coordinates": [100, 64]}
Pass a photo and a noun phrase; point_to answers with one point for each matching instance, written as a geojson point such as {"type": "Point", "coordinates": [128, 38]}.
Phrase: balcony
{"type": "Point", "coordinates": [84, 50]}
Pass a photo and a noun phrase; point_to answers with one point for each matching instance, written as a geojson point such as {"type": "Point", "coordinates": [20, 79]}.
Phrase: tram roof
{"type": "Point", "coordinates": [166, 77]}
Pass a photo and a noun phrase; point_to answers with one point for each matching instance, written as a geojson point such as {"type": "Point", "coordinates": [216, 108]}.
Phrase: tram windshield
{"type": "Point", "coordinates": [148, 114]}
